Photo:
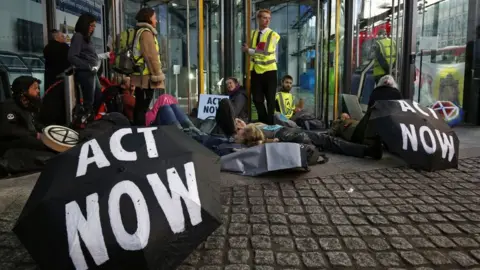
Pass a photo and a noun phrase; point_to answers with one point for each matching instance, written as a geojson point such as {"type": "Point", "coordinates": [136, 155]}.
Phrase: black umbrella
{"type": "Point", "coordinates": [415, 133]}
{"type": "Point", "coordinates": [134, 198]}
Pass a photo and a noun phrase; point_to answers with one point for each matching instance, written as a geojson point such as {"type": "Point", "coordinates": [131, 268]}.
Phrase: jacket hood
{"type": "Point", "coordinates": [149, 26]}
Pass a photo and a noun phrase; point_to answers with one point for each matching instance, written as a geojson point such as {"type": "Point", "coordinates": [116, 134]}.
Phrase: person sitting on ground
{"type": "Point", "coordinates": [321, 140]}
{"type": "Point", "coordinates": [285, 100]}
{"type": "Point", "coordinates": [386, 89]}
{"type": "Point", "coordinates": [238, 97]}
{"type": "Point", "coordinates": [20, 128]}
{"type": "Point", "coordinates": [166, 111]}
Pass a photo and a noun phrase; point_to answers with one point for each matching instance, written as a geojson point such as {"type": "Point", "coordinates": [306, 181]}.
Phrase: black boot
{"type": "Point", "coordinates": [375, 149]}
{"type": "Point", "coordinates": [3, 168]}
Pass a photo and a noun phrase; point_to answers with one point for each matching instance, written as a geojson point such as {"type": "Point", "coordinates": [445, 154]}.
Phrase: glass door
{"type": "Point", "coordinates": [300, 49]}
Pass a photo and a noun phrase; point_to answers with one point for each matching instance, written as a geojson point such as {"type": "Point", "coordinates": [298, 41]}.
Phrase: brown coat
{"type": "Point", "coordinates": [156, 80]}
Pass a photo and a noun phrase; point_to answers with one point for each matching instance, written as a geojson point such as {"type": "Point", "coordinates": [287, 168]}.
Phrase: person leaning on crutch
{"type": "Point", "coordinates": [263, 66]}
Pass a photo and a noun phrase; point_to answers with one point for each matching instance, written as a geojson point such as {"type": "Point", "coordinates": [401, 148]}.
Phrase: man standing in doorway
{"type": "Point", "coordinates": [263, 66]}
{"type": "Point", "coordinates": [385, 51]}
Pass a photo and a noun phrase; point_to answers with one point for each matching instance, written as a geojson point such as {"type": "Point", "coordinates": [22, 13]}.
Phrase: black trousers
{"type": "Point", "coordinates": [264, 87]}
{"type": "Point", "coordinates": [143, 97]}
{"type": "Point", "coordinates": [322, 141]}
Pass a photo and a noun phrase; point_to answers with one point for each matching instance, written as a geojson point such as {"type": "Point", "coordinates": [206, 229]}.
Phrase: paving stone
{"type": "Point", "coordinates": [400, 243]}
{"type": "Point", "coordinates": [465, 242]}
{"type": "Point", "coordinates": [283, 243]}
{"type": "Point", "coordinates": [237, 267]}
{"type": "Point", "coordinates": [413, 258]}
{"type": "Point", "coordinates": [213, 257]}
{"type": "Point", "coordinates": [330, 244]}
{"type": "Point", "coordinates": [323, 230]}
{"type": "Point", "coordinates": [238, 242]}
{"type": "Point", "coordinates": [306, 244]}
{"type": "Point", "coordinates": [260, 229]}
{"type": "Point", "coordinates": [239, 229]}
{"type": "Point", "coordinates": [279, 230]}
{"type": "Point", "coordinates": [448, 228]}
{"type": "Point", "coordinates": [313, 259]}
{"type": "Point", "coordinates": [364, 260]}
{"type": "Point", "coordinates": [347, 231]}
{"type": "Point", "coordinates": [215, 242]}
{"type": "Point", "coordinates": [297, 219]}
{"type": "Point", "coordinates": [388, 258]}
{"type": "Point", "coordinates": [261, 242]}
{"type": "Point", "coordinates": [437, 257]}
{"type": "Point", "coordinates": [378, 244]}
{"type": "Point", "coordinates": [238, 255]}
{"type": "Point", "coordinates": [319, 219]}
{"type": "Point", "coordinates": [301, 230]}
{"type": "Point", "coordinates": [368, 231]}
{"type": "Point", "coordinates": [339, 259]}
{"type": "Point", "coordinates": [442, 241]}
{"type": "Point", "coordinates": [287, 259]}
{"type": "Point", "coordinates": [264, 257]}
{"type": "Point", "coordinates": [462, 258]}
{"type": "Point", "coordinates": [354, 243]}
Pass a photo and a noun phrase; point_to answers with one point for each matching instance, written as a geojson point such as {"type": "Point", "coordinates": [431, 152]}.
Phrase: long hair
{"type": "Point", "coordinates": [144, 15]}
{"type": "Point", "coordinates": [252, 135]}
{"type": "Point", "coordinates": [83, 24]}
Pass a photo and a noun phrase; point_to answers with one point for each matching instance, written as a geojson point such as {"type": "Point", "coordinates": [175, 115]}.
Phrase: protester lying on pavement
{"type": "Point", "coordinates": [258, 133]}
{"type": "Point", "coordinates": [19, 126]}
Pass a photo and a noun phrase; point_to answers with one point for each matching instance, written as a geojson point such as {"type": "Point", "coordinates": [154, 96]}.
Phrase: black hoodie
{"type": "Point", "coordinates": [240, 103]}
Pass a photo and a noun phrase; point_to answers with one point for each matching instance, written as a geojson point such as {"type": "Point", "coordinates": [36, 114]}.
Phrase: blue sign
{"type": "Point", "coordinates": [79, 7]}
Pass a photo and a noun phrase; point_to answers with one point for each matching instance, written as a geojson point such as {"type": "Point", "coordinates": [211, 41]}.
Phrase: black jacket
{"type": "Point", "coordinates": [18, 127]}
{"type": "Point", "coordinates": [239, 101]}
{"type": "Point", "coordinates": [56, 61]}
{"type": "Point", "coordinates": [384, 93]}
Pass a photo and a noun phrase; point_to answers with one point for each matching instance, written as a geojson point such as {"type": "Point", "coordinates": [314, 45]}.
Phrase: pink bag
{"type": "Point", "coordinates": [162, 100]}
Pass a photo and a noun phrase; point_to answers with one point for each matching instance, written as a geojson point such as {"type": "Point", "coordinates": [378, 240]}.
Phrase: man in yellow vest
{"type": "Point", "coordinates": [385, 55]}
{"type": "Point", "coordinates": [284, 99]}
{"type": "Point", "coordinates": [263, 66]}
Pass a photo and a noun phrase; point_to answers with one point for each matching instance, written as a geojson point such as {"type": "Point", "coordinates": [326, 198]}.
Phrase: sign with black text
{"type": "Point", "coordinates": [208, 105]}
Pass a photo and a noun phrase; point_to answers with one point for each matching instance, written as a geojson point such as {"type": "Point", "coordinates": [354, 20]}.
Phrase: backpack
{"type": "Point", "coordinates": [113, 99]}
{"type": "Point", "coordinates": [125, 62]}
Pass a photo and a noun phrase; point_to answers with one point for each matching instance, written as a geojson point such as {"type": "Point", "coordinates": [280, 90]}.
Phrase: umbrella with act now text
{"type": "Point", "coordinates": [415, 133]}
{"type": "Point", "coordinates": [132, 198]}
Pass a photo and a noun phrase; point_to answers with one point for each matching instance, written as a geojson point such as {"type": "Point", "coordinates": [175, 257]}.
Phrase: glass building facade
{"type": "Point", "coordinates": [325, 45]}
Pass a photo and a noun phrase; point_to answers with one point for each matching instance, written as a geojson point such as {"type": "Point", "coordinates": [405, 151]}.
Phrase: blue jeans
{"type": "Point", "coordinates": [172, 115]}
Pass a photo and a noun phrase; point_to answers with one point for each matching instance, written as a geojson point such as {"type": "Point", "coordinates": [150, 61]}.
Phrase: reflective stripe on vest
{"type": "Point", "coordinates": [138, 55]}
{"type": "Point", "coordinates": [285, 102]}
{"type": "Point", "coordinates": [385, 45]}
{"type": "Point", "coordinates": [264, 60]}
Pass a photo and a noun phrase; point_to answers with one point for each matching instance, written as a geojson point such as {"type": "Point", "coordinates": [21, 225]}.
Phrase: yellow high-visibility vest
{"type": "Point", "coordinates": [385, 45]}
{"type": "Point", "coordinates": [285, 102]}
{"type": "Point", "coordinates": [140, 60]}
{"type": "Point", "coordinates": [264, 59]}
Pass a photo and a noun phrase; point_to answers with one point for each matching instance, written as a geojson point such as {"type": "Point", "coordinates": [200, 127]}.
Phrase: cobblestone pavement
{"type": "Point", "coordinates": [384, 219]}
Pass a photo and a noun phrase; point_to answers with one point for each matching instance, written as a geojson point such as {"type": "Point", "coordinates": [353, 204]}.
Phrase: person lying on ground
{"type": "Point", "coordinates": [344, 127]}
{"type": "Point", "coordinates": [263, 133]}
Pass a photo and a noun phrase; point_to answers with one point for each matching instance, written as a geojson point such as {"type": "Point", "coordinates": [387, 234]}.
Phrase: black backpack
{"type": "Point", "coordinates": [113, 99]}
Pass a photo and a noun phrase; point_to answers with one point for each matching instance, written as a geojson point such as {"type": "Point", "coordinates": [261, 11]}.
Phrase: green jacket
{"type": "Point", "coordinates": [343, 128]}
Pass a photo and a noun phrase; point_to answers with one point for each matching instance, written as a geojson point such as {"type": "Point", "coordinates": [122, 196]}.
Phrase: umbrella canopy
{"type": "Point", "coordinates": [133, 198]}
{"type": "Point", "coordinates": [415, 133]}
{"type": "Point", "coordinates": [264, 158]}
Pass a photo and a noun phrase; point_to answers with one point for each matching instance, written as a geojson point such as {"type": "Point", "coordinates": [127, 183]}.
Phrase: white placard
{"type": "Point", "coordinates": [176, 69]}
{"type": "Point", "coordinates": [208, 105]}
